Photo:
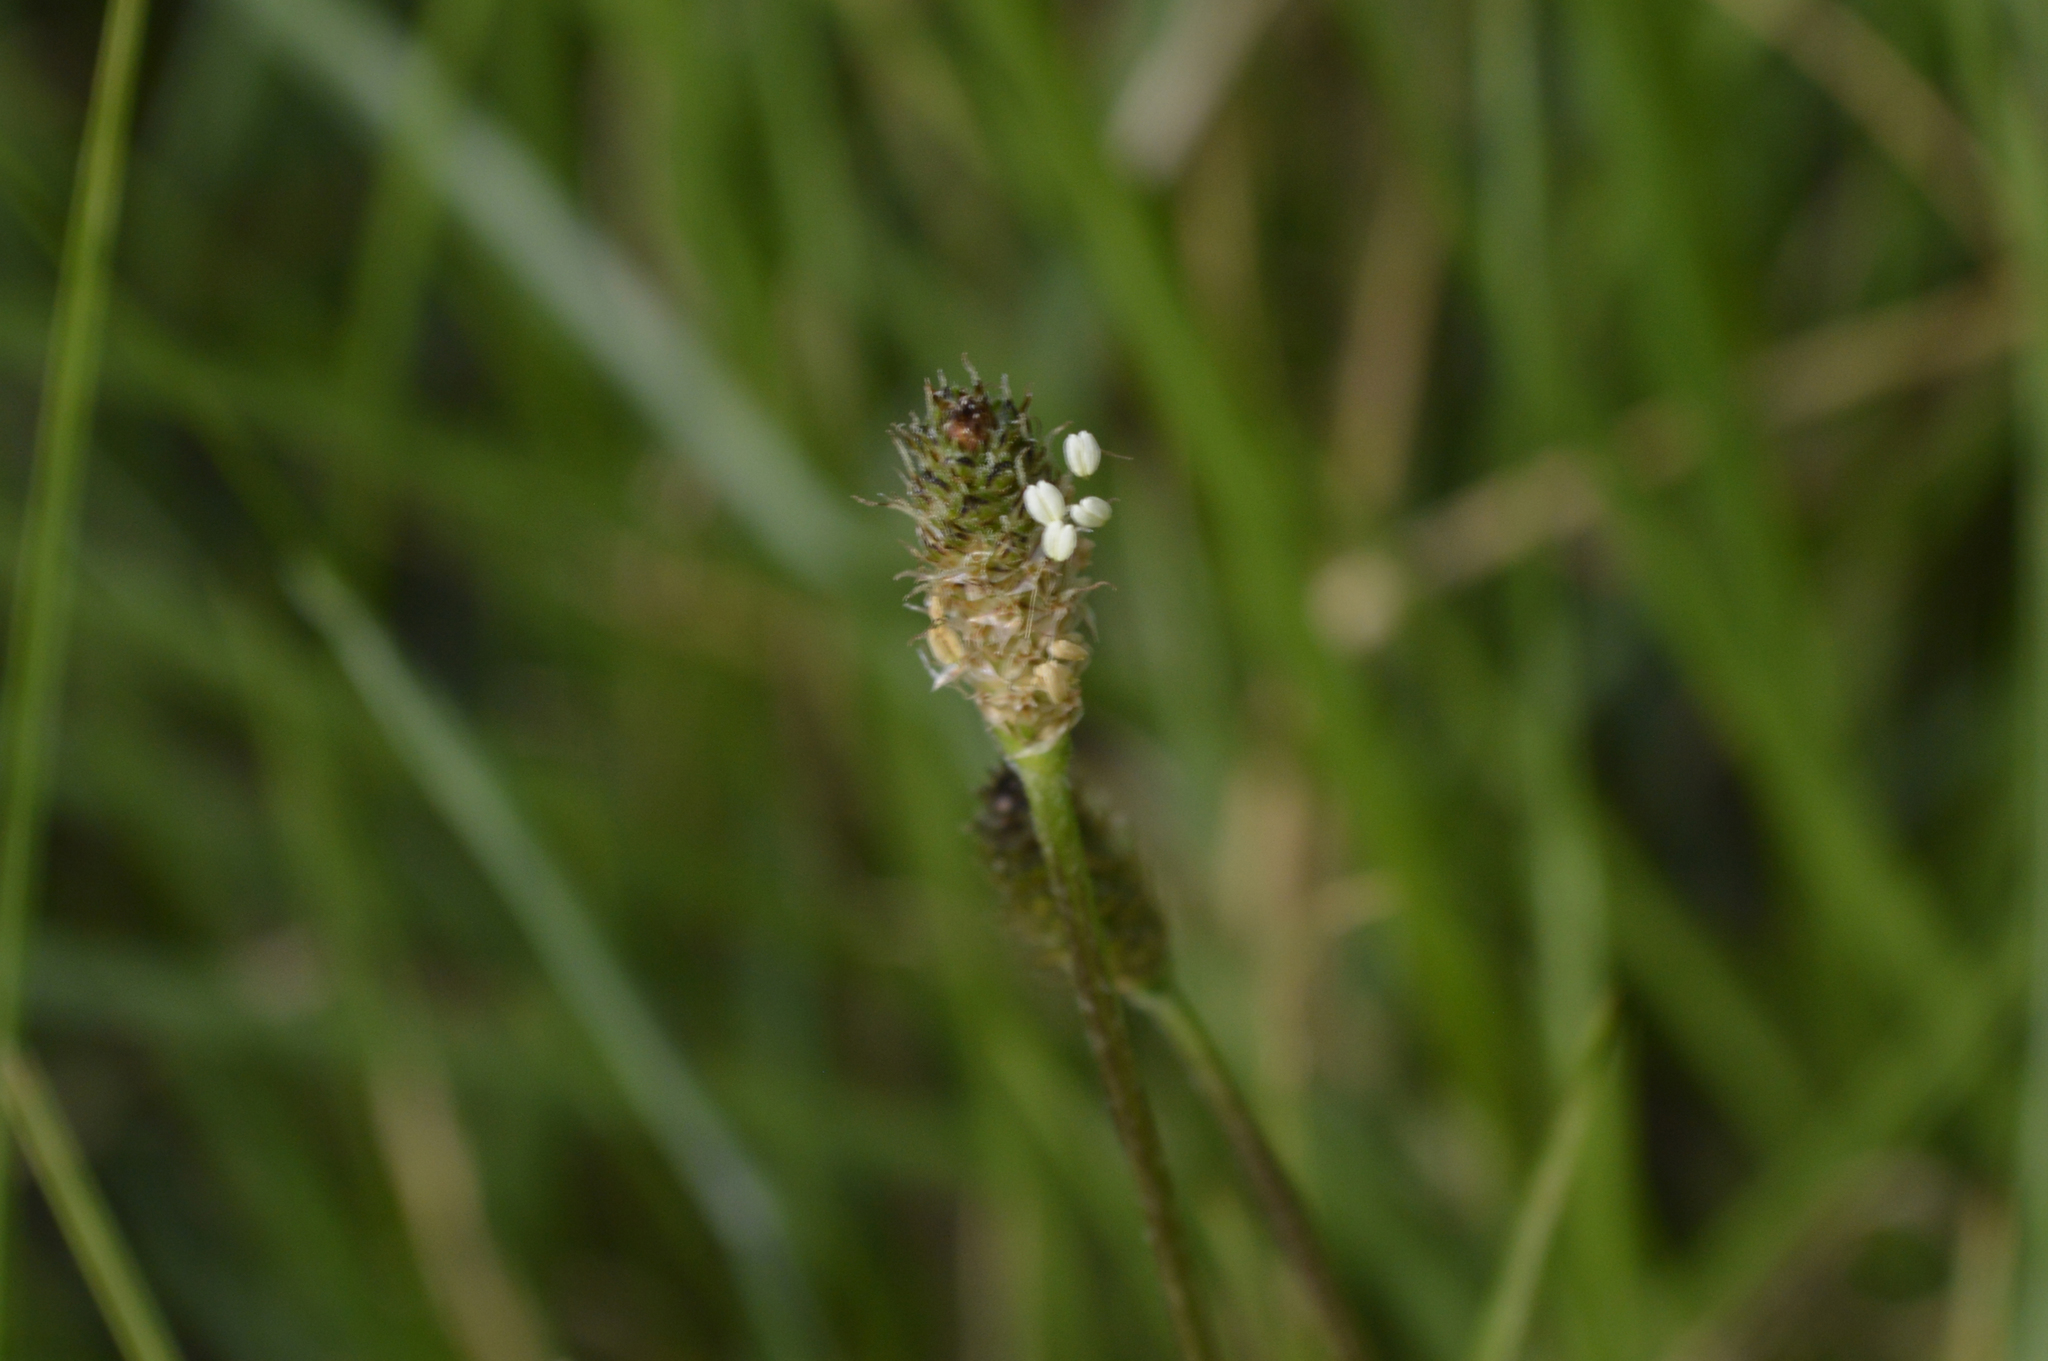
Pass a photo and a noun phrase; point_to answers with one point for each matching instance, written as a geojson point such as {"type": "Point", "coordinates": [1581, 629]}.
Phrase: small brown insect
{"type": "Point", "coordinates": [969, 422]}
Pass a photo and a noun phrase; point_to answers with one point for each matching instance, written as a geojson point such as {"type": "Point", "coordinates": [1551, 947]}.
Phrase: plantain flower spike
{"type": "Point", "coordinates": [1000, 569]}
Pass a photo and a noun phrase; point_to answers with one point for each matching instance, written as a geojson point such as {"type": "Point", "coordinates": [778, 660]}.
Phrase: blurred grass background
{"type": "Point", "coordinates": [507, 896]}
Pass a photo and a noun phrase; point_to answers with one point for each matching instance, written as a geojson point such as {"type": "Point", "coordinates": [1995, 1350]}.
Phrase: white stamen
{"type": "Point", "coordinates": [1091, 512]}
{"type": "Point", "coordinates": [1061, 539]}
{"type": "Point", "coordinates": [1084, 453]}
{"type": "Point", "coordinates": [1043, 503]}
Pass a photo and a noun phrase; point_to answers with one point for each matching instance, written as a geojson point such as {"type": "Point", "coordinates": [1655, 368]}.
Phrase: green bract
{"type": "Point", "coordinates": [1133, 931]}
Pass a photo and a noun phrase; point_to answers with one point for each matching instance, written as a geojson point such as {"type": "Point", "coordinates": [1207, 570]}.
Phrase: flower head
{"type": "Point", "coordinates": [999, 564]}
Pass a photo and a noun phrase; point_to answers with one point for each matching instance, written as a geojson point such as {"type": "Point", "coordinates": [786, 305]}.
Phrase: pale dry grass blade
{"type": "Point", "coordinates": [1900, 110]}
{"type": "Point", "coordinates": [434, 1172]}
{"type": "Point", "coordinates": [1176, 86]}
{"type": "Point", "coordinates": [1383, 368]}
{"type": "Point", "coordinates": [1912, 344]}
{"type": "Point", "coordinates": [1360, 597]}
{"type": "Point", "coordinates": [1978, 1312]}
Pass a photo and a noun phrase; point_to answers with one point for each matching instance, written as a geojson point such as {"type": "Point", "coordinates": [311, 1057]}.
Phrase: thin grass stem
{"type": "Point", "coordinates": [1286, 1216]}
{"type": "Point", "coordinates": [60, 1170]}
{"type": "Point", "coordinates": [1059, 838]}
{"type": "Point", "coordinates": [1504, 1323]}
{"type": "Point", "coordinates": [39, 628]}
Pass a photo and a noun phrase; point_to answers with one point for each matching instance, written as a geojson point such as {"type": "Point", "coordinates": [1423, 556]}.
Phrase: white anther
{"type": "Point", "coordinates": [1091, 512]}
{"type": "Point", "coordinates": [1084, 454]}
{"type": "Point", "coordinates": [1043, 503]}
{"type": "Point", "coordinates": [1061, 539]}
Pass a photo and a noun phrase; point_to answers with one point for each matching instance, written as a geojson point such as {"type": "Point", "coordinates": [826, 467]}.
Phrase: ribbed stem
{"type": "Point", "coordinates": [1286, 1216]}
{"type": "Point", "coordinates": [1059, 838]}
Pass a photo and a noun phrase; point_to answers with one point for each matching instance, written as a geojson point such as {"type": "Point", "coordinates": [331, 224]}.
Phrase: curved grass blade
{"type": "Point", "coordinates": [110, 1272]}
{"type": "Point", "coordinates": [1504, 1325]}
{"type": "Point", "coordinates": [664, 1092]}
{"type": "Point", "coordinates": [592, 290]}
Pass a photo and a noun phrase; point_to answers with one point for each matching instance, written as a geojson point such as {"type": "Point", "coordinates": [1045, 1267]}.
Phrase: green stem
{"type": "Point", "coordinates": [1504, 1324]}
{"type": "Point", "coordinates": [52, 1150]}
{"type": "Point", "coordinates": [38, 629]}
{"type": "Point", "coordinates": [1102, 1015]}
{"type": "Point", "coordinates": [1286, 1215]}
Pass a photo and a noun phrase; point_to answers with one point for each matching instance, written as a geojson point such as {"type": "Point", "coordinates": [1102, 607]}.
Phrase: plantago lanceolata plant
{"type": "Point", "coordinates": [1007, 604]}
{"type": "Point", "coordinates": [1000, 563]}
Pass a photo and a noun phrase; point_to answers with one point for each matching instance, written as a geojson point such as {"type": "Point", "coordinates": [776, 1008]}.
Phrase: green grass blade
{"type": "Point", "coordinates": [39, 628]}
{"type": "Point", "coordinates": [659, 1084]}
{"type": "Point", "coordinates": [52, 1151]}
{"type": "Point", "coordinates": [592, 290]}
{"type": "Point", "coordinates": [1504, 1324]}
